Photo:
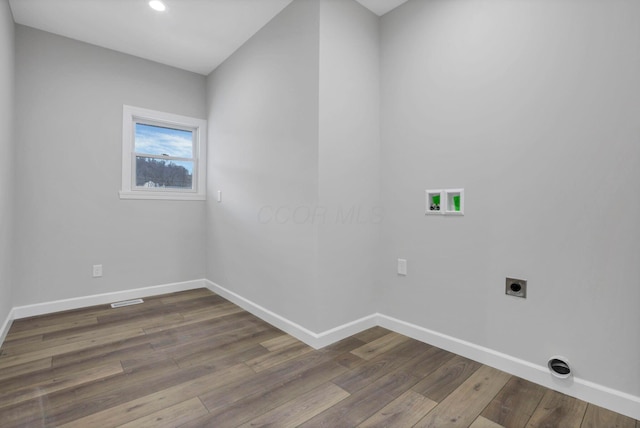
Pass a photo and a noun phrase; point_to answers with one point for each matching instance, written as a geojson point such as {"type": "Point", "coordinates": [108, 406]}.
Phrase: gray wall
{"type": "Point", "coordinates": [6, 157]}
{"type": "Point", "coordinates": [293, 119]}
{"type": "Point", "coordinates": [533, 108]}
{"type": "Point", "coordinates": [530, 106]}
{"type": "Point", "coordinates": [69, 148]}
{"type": "Point", "coordinates": [263, 156]}
{"type": "Point", "coordinates": [349, 213]}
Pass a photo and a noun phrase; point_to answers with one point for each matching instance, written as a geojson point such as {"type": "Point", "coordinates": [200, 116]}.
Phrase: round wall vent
{"type": "Point", "coordinates": [559, 367]}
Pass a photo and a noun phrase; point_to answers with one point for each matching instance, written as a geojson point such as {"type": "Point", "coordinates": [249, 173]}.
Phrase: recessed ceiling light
{"type": "Point", "coordinates": [157, 5]}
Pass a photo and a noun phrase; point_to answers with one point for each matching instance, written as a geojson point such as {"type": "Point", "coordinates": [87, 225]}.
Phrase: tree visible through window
{"type": "Point", "coordinates": [163, 155]}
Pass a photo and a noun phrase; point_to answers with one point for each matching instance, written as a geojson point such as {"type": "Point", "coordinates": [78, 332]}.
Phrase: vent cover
{"type": "Point", "coordinates": [559, 367]}
{"type": "Point", "coordinates": [127, 303]}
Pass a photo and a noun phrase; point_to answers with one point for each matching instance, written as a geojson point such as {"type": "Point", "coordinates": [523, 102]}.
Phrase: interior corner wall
{"type": "Point", "coordinates": [69, 98]}
{"type": "Point", "coordinates": [7, 60]}
{"type": "Point", "coordinates": [263, 157]}
{"type": "Point", "coordinates": [349, 212]}
{"type": "Point", "coordinates": [532, 107]}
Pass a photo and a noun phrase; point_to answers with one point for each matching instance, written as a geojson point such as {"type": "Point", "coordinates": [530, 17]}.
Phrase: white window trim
{"type": "Point", "coordinates": [129, 115]}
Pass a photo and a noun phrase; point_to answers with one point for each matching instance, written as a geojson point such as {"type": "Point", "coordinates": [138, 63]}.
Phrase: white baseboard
{"type": "Point", "coordinates": [315, 340]}
{"type": "Point", "coordinates": [600, 395]}
{"type": "Point", "coordinates": [101, 299]}
{"type": "Point", "coordinates": [5, 326]}
{"type": "Point", "coordinates": [582, 389]}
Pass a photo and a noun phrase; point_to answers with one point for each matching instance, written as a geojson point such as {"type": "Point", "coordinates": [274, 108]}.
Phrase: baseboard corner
{"type": "Point", "coordinates": [315, 340]}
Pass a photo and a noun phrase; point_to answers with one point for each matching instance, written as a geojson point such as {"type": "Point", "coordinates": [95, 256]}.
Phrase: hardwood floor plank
{"type": "Point", "coordinates": [34, 390]}
{"type": "Point", "coordinates": [181, 296]}
{"type": "Point", "coordinates": [371, 334]}
{"type": "Point", "coordinates": [515, 404]}
{"type": "Point", "coordinates": [132, 348]}
{"type": "Point", "coordinates": [343, 346]}
{"type": "Point", "coordinates": [558, 410]}
{"type": "Point", "coordinates": [349, 360]}
{"type": "Point", "coordinates": [446, 378]}
{"type": "Point", "coordinates": [101, 328]}
{"type": "Point", "coordinates": [32, 413]}
{"type": "Point", "coordinates": [13, 360]}
{"type": "Point", "coordinates": [148, 404]}
{"type": "Point", "coordinates": [352, 410]}
{"type": "Point", "coordinates": [274, 358]}
{"type": "Point", "coordinates": [425, 363]}
{"type": "Point", "coordinates": [368, 372]}
{"type": "Point", "coordinates": [465, 404]}
{"type": "Point", "coordinates": [482, 422]}
{"type": "Point", "coordinates": [225, 355]}
{"type": "Point", "coordinates": [258, 403]}
{"type": "Point", "coordinates": [93, 396]}
{"type": "Point", "coordinates": [404, 411]}
{"type": "Point", "coordinates": [597, 417]}
{"type": "Point", "coordinates": [190, 300]}
{"type": "Point", "coordinates": [202, 332]}
{"type": "Point", "coordinates": [342, 352]}
{"type": "Point", "coordinates": [193, 359]}
{"type": "Point", "coordinates": [62, 320]}
{"type": "Point", "coordinates": [39, 375]}
{"type": "Point", "coordinates": [364, 402]}
{"type": "Point", "coordinates": [261, 382]}
{"type": "Point", "coordinates": [67, 405]}
{"type": "Point", "coordinates": [172, 416]}
{"type": "Point", "coordinates": [281, 342]}
{"type": "Point", "coordinates": [301, 408]}
{"type": "Point", "coordinates": [365, 374]}
{"type": "Point", "coordinates": [13, 345]}
{"type": "Point", "coordinates": [216, 342]}
{"type": "Point", "coordinates": [211, 311]}
{"type": "Point", "coordinates": [204, 314]}
{"type": "Point", "coordinates": [26, 368]}
{"type": "Point", "coordinates": [379, 346]}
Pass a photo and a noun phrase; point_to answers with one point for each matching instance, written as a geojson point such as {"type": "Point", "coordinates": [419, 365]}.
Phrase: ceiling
{"type": "Point", "coordinates": [195, 35]}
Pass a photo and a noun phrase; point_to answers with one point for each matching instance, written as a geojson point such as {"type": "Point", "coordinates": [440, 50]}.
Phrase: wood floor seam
{"type": "Point", "coordinates": [193, 359]}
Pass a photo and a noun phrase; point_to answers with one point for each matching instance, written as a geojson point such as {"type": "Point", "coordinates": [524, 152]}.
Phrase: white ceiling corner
{"type": "Point", "coordinates": [380, 7]}
{"type": "Point", "coordinates": [194, 35]}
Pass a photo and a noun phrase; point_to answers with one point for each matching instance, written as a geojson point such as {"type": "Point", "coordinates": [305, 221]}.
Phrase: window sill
{"type": "Point", "coordinates": [167, 196]}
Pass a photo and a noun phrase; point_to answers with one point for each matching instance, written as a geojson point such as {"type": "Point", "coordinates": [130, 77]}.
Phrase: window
{"type": "Point", "coordinates": [163, 155]}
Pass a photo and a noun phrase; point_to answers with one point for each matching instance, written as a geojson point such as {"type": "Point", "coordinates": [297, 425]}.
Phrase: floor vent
{"type": "Point", "coordinates": [127, 303]}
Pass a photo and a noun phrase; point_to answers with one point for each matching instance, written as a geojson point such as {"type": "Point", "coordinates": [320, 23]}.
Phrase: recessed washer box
{"type": "Point", "coordinates": [454, 201]}
{"type": "Point", "coordinates": [444, 202]}
{"type": "Point", "coordinates": [435, 201]}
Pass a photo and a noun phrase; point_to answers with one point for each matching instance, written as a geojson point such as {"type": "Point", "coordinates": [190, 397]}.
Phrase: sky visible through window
{"type": "Point", "coordinates": [162, 141]}
{"type": "Point", "coordinates": [156, 140]}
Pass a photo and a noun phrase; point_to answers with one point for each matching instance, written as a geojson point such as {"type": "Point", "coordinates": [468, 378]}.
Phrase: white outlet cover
{"type": "Point", "coordinates": [402, 266]}
{"type": "Point", "coordinates": [97, 271]}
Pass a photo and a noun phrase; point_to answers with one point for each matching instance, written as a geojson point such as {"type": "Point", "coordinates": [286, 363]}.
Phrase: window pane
{"type": "Point", "coordinates": [157, 140]}
{"type": "Point", "coordinates": [153, 173]}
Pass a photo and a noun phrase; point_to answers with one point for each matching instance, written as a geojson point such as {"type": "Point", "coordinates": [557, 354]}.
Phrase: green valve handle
{"type": "Point", "coordinates": [435, 202]}
{"type": "Point", "coordinates": [456, 202]}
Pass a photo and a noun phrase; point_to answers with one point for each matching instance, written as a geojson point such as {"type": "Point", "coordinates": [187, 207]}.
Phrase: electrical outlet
{"type": "Point", "coordinates": [516, 287]}
{"type": "Point", "coordinates": [97, 271]}
{"type": "Point", "coordinates": [402, 266]}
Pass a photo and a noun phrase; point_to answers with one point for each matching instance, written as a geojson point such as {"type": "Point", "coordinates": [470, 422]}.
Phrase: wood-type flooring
{"type": "Point", "coordinates": [193, 359]}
